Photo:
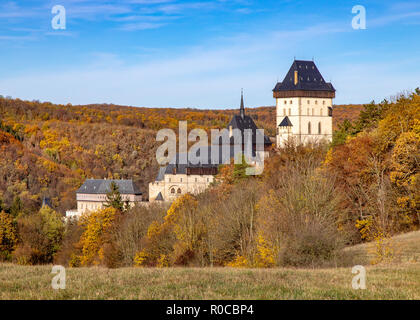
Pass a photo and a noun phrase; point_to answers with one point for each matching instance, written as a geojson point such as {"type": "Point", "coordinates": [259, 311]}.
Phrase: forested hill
{"type": "Point", "coordinates": [49, 150]}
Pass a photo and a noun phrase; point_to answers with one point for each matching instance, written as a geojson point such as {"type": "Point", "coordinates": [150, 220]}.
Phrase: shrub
{"type": "Point", "coordinates": [8, 236]}
{"type": "Point", "coordinates": [40, 237]}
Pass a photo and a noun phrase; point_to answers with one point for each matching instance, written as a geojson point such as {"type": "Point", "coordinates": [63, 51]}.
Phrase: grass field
{"type": "Point", "coordinates": [400, 280]}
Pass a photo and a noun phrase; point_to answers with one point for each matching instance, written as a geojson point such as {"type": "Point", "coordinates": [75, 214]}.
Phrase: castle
{"type": "Point", "coordinates": [303, 105]}
{"type": "Point", "coordinates": [303, 115]}
{"type": "Point", "coordinates": [92, 195]}
{"type": "Point", "coordinates": [177, 179]}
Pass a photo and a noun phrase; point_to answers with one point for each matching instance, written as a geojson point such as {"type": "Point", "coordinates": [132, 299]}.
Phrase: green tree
{"type": "Point", "coordinates": [113, 198]}
{"type": "Point", "coordinates": [17, 207]}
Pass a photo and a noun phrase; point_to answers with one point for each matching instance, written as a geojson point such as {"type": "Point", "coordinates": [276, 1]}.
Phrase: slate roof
{"type": "Point", "coordinates": [286, 122]}
{"type": "Point", "coordinates": [309, 78]}
{"type": "Point", "coordinates": [46, 202]}
{"type": "Point", "coordinates": [159, 197]}
{"type": "Point", "coordinates": [100, 186]}
{"type": "Point", "coordinates": [241, 121]}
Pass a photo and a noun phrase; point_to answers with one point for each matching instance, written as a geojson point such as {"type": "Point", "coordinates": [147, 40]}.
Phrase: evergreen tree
{"type": "Point", "coordinates": [17, 207]}
{"type": "Point", "coordinates": [114, 199]}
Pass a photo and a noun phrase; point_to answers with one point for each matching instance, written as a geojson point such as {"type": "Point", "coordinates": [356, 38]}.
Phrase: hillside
{"type": "Point", "coordinates": [48, 150]}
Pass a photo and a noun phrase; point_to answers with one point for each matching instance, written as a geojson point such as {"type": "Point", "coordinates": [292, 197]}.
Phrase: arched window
{"type": "Point", "coordinates": [290, 111]}
{"type": "Point", "coordinates": [309, 127]}
{"type": "Point", "coordinates": [319, 127]}
{"type": "Point", "coordinates": [291, 102]}
{"type": "Point", "coordinates": [179, 190]}
{"type": "Point", "coordinates": [173, 190]}
{"type": "Point", "coordinates": [307, 112]}
{"type": "Point", "coordinates": [321, 112]}
{"type": "Point", "coordinates": [285, 101]}
{"type": "Point", "coordinates": [284, 112]}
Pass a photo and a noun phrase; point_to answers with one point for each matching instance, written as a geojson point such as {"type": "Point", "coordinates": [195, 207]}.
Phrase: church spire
{"type": "Point", "coordinates": [242, 109]}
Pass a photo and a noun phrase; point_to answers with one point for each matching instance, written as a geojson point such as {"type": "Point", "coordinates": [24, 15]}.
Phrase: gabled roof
{"type": "Point", "coordinates": [286, 122]}
{"type": "Point", "coordinates": [241, 121]}
{"type": "Point", "coordinates": [159, 197]}
{"type": "Point", "coordinates": [100, 186]}
{"type": "Point", "coordinates": [309, 78]}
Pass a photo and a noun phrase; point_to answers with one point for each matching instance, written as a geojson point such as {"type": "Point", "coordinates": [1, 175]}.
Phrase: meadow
{"type": "Point", "coordinates": [396, 280]}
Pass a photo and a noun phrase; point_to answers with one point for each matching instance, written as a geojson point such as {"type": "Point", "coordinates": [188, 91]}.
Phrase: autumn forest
{"type": "Point", "coordinates": [310, 203]}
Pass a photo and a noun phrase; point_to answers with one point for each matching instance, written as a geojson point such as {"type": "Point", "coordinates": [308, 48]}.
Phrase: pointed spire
{"type": "Point", "coordinates": [242, 109]}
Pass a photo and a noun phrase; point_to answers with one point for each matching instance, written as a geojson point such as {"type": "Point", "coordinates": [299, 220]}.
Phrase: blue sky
{"type": "Point", "coordinates": [200, 53]}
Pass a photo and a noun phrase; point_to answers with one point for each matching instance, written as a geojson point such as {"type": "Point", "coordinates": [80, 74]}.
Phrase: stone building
{"type": "Point", "coordinates": [92, 195]}
{"type": "Point", "coordinates": [303, 105]}
{"type": "Point", "coordinates": [177, 179]}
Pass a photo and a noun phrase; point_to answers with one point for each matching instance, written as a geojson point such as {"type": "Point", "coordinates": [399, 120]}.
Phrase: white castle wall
{"type": "Point", "coordinates": [303, 111]}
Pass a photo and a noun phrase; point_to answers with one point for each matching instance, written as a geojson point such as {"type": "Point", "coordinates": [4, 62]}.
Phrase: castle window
{"type": "Point", "coordinates": [291, 102]}
{"type": "Point", "coordinates": [320, 112]}
{"type": "Point", "coordinates": [309, 102]}
{"type": "Point", "coordinates": [181, 179]}
{"type": "Point", "coordinates": [285, 102]}
{"type": "Point", "coordinates": [309, 127]}
{"type": "Point", "coordinates": [179, 190]}
{"type": "Point", "coordinates": [313, 111]}
{"type": "Point", "coordinates": [290, 111]}
{"type": "Point", "coordinates": [196, 180]}
{"type": "Point", "coordinates": [316, 101]}
{"type": "Point", "coordinates": [330, 110]}
{"type": "Point", "coordinates": [307, 112]}
{"type": "Point", "coordinates": [208, 180]}
{"type": "Point", "coordinates": [284, 112]}
{"type": "Point", "coordinates": [173, 190]}
{"type": "Point", "coordinates": [323, 102]}
{"type": "Point", "coordinates": [319, 127]}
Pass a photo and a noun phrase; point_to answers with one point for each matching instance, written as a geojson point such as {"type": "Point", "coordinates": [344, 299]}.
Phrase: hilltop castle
{"type": "Point", "coordinates": [177, 179]}
{"type": "Point", "coordinates": [303, 114]}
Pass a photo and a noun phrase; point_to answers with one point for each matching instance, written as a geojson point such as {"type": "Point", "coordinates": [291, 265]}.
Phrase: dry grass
{"type": "Point", "coordinates": [398, 280]}
{"type": "Point", "coordinates": [406, 248]}
{"type": "Point", "coordinates": [383, 282]}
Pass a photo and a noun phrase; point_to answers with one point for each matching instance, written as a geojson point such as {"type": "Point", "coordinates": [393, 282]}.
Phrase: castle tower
{"type": "Point", "coordinates": [303, 105]}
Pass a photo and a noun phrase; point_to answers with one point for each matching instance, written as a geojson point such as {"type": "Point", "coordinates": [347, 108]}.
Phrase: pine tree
{"type": "Point", "coordinates": [113, 198]}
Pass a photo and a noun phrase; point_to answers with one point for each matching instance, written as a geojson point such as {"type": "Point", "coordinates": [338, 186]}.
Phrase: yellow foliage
{"type": "Point", "coordinates": [96, 226]}
{"type": "Point", "coordinates": [140, 258]}
{"type": "Point", "coordinates": [364, 227]}
{"type": "Point", "coordinates": [239, 262]}
{"type": "Point", "coordinates": [163, 261]}
{"type": "Point", "coordinates": [383, 250]}
{"type": "Point", "coordinates": [266, 253]}
{"type": "Point", "coordinates": [8, 234]}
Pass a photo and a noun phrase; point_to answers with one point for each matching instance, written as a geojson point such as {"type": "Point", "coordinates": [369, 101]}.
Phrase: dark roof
{"type": "Point", "coordinates": [285, 122]}
{"type": "Point", "coordinates": [99, 186]}
{"type": "Point", "coordinates": [159, 197]}
{"type": "Point", "coordinates": [46, 202]}
{"type": "Point", "coordinates": [241, 121]}
{"type": "Point", "coordinates": [309, 78]}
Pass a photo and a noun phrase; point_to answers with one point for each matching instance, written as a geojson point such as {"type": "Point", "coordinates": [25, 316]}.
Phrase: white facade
{"type": "Point", "coordinates": [175, 185]}
{"type": "Point", "coordinates": [310, 117]}
{"type": "Point", "coordinates": [94, 202]}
